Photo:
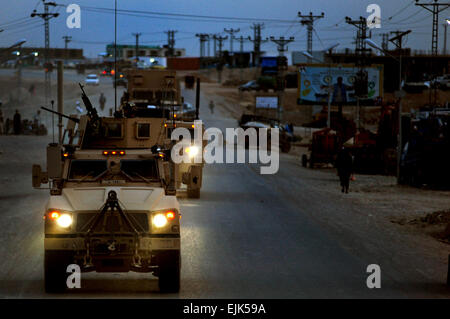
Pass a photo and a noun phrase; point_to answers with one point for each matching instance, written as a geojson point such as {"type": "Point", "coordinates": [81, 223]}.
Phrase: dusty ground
{"type": "Point", "coordinates": [397, 206]}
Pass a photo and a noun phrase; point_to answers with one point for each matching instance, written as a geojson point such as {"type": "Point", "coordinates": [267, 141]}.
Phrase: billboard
{"type": "Point", "coordinates": [266, 102]}
{"type": "Point", "coordinates": [314, 80]}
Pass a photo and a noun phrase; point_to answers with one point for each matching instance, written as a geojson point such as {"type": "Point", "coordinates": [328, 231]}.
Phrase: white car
{"type": "Point", "coordinates": [92, 79]}
{"type": "Point", "coordinates": [443, 82]}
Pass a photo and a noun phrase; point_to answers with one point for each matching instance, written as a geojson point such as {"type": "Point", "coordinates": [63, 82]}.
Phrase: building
{"type": "Point", "coordinates": [128, 52]}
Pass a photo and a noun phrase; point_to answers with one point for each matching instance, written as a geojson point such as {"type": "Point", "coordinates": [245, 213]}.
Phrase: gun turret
{"type": "Point", "coordinates": [61, 114]}
{"type": "Point", "coordinates": [91, 111]}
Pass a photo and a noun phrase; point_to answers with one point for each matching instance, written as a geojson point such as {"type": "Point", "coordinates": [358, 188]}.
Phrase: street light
{"type": "Point", "coordinates": [18, 43]}
{"type": "Point", "coordinates": [447, 20]}
{"type": "Point", "coordinates": [399, 95]}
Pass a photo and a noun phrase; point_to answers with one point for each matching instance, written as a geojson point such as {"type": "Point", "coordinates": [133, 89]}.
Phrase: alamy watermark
{"type": "Point", "coordinates": [374, 19]}
{"type": "Point", "coordinates": [73, 21]}
{"type": "Point", "coordinates": [374, 279]}
{"type": "Point", "coordinates": [257, 142]}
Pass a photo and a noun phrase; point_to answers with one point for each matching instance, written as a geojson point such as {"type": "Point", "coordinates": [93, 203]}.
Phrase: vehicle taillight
{"type": "Point", "coordinates": [114, 153]}
{"type": "Point", "coordinates": [54, 215]}
{"type": "Point", "coordinates": [170, 215]}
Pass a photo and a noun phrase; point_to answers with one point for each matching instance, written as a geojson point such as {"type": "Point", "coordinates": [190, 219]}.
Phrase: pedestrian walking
{"type": "Point", "coordinates": [17, 123]}
{"type": "Point", "coordinates": [102, 101]}
{"type": "Point", "coordinates": [78, 107]}
{"type": "Point", "coordinates": [211, 106]}
{"type": "Point", "coordinates": [32, 89]}
{"type": "Point", "coordinates": [344, 165]}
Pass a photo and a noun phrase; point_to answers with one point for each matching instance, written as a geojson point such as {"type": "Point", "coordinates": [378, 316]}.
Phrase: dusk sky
{"type": "Point", "coordinates": [97, 28]}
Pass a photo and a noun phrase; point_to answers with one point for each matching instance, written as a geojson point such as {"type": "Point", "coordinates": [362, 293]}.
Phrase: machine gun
{"type": "Point", "coordinates": [91, 111]}
{"type": "Point", "coordinates": [76, 120]}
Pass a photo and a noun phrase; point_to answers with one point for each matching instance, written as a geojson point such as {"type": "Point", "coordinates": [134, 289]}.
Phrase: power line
{"type": "Point", "coordinates": [167, 14]}
{"type": "Point", "coordinates": [46, 16]}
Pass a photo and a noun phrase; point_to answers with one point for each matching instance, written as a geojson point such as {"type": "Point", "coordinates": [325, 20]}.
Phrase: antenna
{"type": "Point", "coordinates": [115, 56]}
{"type": "Point", "coordinates": [53, 121]}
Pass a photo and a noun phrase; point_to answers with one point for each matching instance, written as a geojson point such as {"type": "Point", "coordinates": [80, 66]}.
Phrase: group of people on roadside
{"type": "Point", "coordinates": [18, 126]}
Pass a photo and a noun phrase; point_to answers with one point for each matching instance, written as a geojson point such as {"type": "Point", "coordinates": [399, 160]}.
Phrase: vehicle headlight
{"type": "Point", "coordinates": [64, 221]}
{"type": "Point", "coordinates": [192, 151]}
{"type": "Point", "coordinates": [159, 220]}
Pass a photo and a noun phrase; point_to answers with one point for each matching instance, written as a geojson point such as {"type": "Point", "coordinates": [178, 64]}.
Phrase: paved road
{"type": "Point", "coordinates": [248, 236]}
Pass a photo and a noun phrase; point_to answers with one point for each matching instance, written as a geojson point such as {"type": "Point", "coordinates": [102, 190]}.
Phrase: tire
{"type": "Point", "coordinates": [193, 193]}
{"type": "Point", "coordinates": [55, 266]}
{"type": "Point", "coordinates": [304, 160]}
{"type": "Point", "coordinates": [169, 273]}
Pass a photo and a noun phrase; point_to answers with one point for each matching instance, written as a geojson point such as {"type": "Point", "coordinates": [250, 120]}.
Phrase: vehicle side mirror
{"type": "Point", "coordinates": [39, 177]}
{"type": "Point", "coordinates": [166, 167]}
{"type": "Point", "coordinates": [54, 161]}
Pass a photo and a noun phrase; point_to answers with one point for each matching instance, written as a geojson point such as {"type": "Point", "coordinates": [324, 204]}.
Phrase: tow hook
{"type": "Point", "coordinates": [112, 246]}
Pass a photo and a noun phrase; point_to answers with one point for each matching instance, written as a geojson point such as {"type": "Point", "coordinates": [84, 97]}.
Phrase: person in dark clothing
{"type": "Point", "coordinates": [17, 123]}
{"type": "Point", "coordinates": [344, 165]}
{"type": "Point", "coordinates": [102, 101]}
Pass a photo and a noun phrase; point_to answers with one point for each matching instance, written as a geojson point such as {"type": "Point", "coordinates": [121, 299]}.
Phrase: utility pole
{"type": "Point", "coordinates": [397, 41]}
{"type": "Point", "coordinates": [385, 41]}
{"type": "Point", "coordinates": [213, 36]}
{"type": "Point", "coordinates": [137, 35]}
{"type": "Point", "coordinates": [308, 20]}
{"type": "Point", "coordinates": [67, 39]}
{"type": "Point", "coordinates": [203, 38]}
{"type": "Point", "coordinates": [231, 32]}
{"type": "Point", "coordinates": [46, 16]}
{"type": "Point", "coordinates": [281, 44]}
{"type": "Point", "coordinates": [434, 7]}
{"type": "Point", "coordinates": [361, 55]}
{"type": "Point", "coordinates": [257, 41]}
{"type": "Point", "coordinates": [241, 40]}
{"type": "Point", "coordinates": [282, 47]}
{"type": "Point", "coordinates": [444, 49]}
{"type": "Point", "coordinates": [171, 42]}
{"type": "Point", "coordinates": [220, 40]}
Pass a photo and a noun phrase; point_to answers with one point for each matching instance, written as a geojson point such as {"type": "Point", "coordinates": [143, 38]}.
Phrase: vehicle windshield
{"type": "Point", "coordinates": [87, 170]}
{"type": "Point", "coordinates": [145, 170]}
{"type": "Point", "coordinates": [92, 76]}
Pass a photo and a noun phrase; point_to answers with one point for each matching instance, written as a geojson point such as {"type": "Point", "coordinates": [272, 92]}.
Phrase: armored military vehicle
{"type": "Point", "coordinates": [112, 205]}
{"type": "Point", "coordinates": [158, 89]}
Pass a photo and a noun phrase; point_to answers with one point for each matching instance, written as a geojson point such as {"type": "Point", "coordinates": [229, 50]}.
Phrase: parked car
{"type": "Point", "coordinates": [189, 112]}
{"type": "Point", "coordinates": [252, 85]}
{"type": "Point", "coordinates": [92, 79]}
{"type": "Point", "coordinates": [442, 82]}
